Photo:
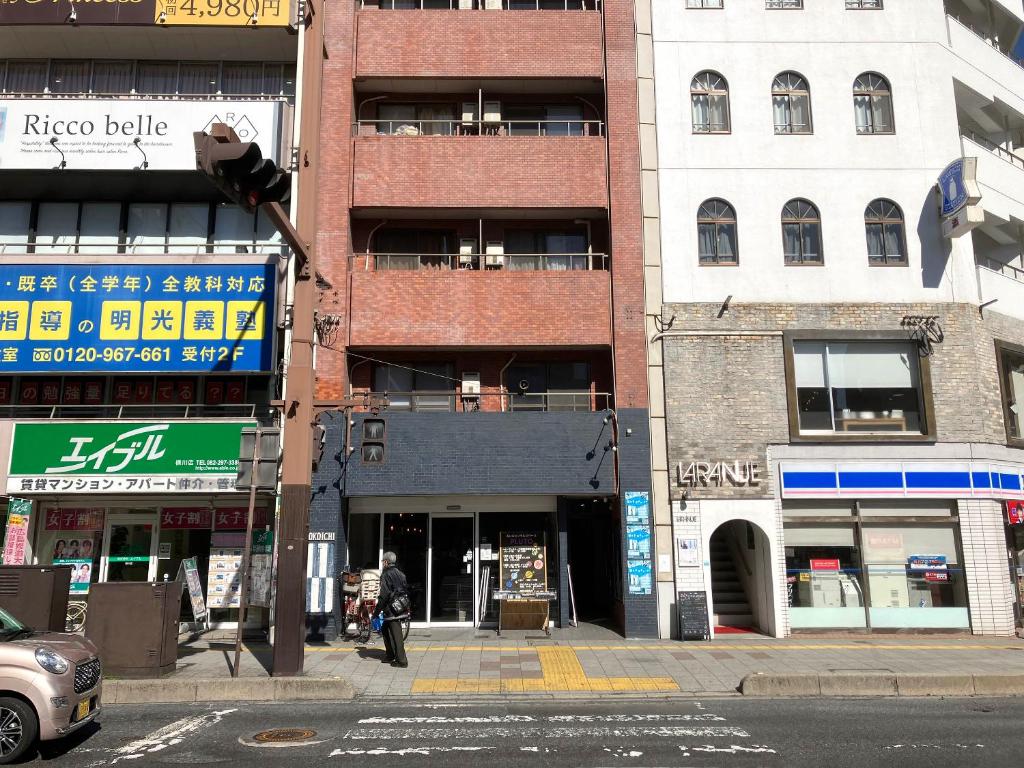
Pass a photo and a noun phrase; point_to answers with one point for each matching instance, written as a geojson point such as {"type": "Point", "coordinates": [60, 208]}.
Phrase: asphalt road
{"type": "Point", "coordinates": [620, 732]}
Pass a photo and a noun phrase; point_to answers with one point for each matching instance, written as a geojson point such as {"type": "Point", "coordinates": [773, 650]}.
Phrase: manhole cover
{"type": "Point", "coordinates": [284, 735]}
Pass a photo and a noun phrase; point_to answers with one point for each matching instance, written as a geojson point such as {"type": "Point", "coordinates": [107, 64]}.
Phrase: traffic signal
{"type": "Point", "coordinates": [238, 169]}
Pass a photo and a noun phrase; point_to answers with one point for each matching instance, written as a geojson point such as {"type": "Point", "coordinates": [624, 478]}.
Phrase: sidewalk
{"type": "Point", "coordinates": [592, 661]}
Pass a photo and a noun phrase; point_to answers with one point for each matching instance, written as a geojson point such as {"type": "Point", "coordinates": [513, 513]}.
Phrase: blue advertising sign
{"type": "Point", "coordinates": [637, 506]}
{"type": "Point", "coordinates": [136, 317]}
{"type": "Point", "coordinates": [638, 538]}
{"type": "Point", "coordinates": [640, 582]}
{"type": "Point", "coordinates": [953, 188]}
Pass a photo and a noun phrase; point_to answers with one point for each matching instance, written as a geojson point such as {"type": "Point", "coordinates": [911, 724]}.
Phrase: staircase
{"type": "Point", "coordinates": [731, 608]}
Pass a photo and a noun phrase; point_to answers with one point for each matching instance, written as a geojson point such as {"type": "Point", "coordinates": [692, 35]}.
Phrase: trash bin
{"type": "Point", "coordinates": [135, 626]}
{"type": "Point", "coordinates": [37, 596]}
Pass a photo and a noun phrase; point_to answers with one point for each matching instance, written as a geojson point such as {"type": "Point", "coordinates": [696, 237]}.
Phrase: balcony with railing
{"type": "Point", "coordinates": [987, 40]}
{"type": "Point", "coordinates": [999, 176]}
{"type": "Point", "coordinates": [535, 39]}
{"type": "Point", "coordinates": [1000, 280]}
{"type": "Point", "coordinates": [456, 401]}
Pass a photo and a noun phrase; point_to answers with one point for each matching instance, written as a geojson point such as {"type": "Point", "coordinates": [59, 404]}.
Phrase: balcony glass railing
{"type": "Point", "coordinates": [1007, 270]}
{"type": "Point", "coordinates": [487, 5]}
{"type": "Point", "coordinates": [515, 262]}
{"type": "Point", "coordinates": [451, 401]}
{"type": "Point", "coordinates": [479, 128]}
{"type": "Point", "coordinates": [986, 38]}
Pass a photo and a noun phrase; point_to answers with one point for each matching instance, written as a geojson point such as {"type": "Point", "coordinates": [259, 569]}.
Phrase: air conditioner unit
{"type": "Point", "coordinates": [470, 384]}
{"type": "Point", "coordinates": [492, 111]}
{"type": "Point", "coordinates": [494, 255]}
{"type": "Point", "coordinates": [468, 112]}
{"type": "Point", "coordinates": [467, 250]}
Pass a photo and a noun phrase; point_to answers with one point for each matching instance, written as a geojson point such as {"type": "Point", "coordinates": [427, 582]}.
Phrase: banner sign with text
{"type": "Point", "coordinates": [101, 134]}
{"type": "Point", "coordinates": [124, 457]}
{"type": "Point", "coordinates": [19, 515]}
{"type": "Point", "coordinates": [136, 317]}
{"type": "Point", "coordinates": [167, 13]}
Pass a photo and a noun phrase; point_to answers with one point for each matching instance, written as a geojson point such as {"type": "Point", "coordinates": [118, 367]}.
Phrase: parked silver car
{"type": "Point", "coordinates": [49, 686]}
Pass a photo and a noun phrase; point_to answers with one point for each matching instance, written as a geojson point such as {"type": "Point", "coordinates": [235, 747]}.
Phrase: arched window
{"type": "Point", "coordinates": [716, 233]}
{"type": "Point", "coordinates": [709, 98]}
{"type": "Point", "coordinates": [872, 104]}
{"type": "Point", "coordinates": [791, 103]}
{"type": "Point", "coordinates": [801, 233]}
{"type": "Point", "coordinates": [887, 241]}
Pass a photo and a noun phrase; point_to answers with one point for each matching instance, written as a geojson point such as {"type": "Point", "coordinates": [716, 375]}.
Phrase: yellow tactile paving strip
{"type": "Point", "coordinates": [690, 647]}
{"type": "Point", "coordinates": [561, 670]}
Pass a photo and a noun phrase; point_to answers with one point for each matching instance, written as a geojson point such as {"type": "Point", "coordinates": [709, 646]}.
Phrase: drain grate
{"type": "Point", "coordinates": [284, 735]}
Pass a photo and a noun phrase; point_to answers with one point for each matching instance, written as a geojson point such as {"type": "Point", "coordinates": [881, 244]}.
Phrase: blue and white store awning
{"type": "Point", "coordinates": [907, 479]}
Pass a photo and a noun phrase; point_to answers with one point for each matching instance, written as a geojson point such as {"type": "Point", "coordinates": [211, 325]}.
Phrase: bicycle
{"type": "Point", "coordinates": [361, 590]}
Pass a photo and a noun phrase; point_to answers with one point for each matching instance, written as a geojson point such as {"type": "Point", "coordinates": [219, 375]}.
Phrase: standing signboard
{"type": "Point", "coordinates": [523, 578]}
{"type": "Point", "coordinates": [81, 574]}
{"type": "Point", "coordinates": [195, 588]}
{"type": "Point", "coordinates": [261, 568]}
{"type": "Point", "coordinates": [19, 515]}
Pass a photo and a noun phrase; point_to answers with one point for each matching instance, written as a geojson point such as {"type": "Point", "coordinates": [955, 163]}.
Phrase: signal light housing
{"type": "Point", "coordinates": [238, 169]}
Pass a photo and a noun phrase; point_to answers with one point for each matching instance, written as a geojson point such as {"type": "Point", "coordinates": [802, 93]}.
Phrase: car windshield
{"type": "Point", "coordinates": [9, 626]}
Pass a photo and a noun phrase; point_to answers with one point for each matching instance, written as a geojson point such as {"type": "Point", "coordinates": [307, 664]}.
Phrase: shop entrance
{"type": "Point", "coordinates": [129, 547]}
{"type": "Point", "coordinates": [741, 579]}
{"type": "Point", "coordinates": [452, 559]}
{"type": "Point", "coordinates": [594, 553]}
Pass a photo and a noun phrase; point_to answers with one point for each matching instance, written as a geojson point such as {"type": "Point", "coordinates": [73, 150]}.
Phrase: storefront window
{"type": "Point", "coordinates": [363, 541]}
{"type": "Point", "coordinates": [823, 577]}
{"type": "Point", "coordinates": [915, 577]}
{"type": "Point", "coordinates": [406, 535]}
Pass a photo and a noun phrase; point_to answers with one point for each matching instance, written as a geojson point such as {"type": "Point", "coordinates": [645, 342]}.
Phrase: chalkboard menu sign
{"type": "Point", "coordinates": [523, 559]}
{"type": "Point", "coordinates": [692, 615]}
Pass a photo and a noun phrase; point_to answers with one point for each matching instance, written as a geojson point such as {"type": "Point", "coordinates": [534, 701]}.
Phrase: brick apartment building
{"type": "Point", "coordinates": [480, 258]}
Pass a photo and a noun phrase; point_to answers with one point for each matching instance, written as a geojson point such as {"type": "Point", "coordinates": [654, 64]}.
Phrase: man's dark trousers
{"type": "Point", "coordinates": [394, 645]}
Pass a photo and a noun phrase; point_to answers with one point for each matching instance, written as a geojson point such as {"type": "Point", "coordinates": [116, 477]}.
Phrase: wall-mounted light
{"type": "Point", "coordinates": [63, 162]}
{"type": "Point", "coordinates": [72, 17]}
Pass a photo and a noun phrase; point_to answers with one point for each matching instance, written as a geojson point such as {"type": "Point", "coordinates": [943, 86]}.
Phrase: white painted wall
{"type": "Point", "coordinates": [837, 169]}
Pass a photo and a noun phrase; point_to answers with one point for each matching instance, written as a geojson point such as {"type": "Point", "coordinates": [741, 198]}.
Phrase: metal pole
{"type": "Point", "coordinates": [297, 467]}
{"type": "Point", "coordinates": [243, 586]}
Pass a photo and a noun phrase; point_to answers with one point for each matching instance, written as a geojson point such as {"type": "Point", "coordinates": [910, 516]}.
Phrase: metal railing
{"type": "Point", "coordinates": [995, 149]}
{"type": "Point", "coordinates": [1007, 270]}
{"type": "Point", "coordinates": [524, 262]}
{"type": "Point", "coordinates": [479, 128]}
{"type": "Point", "coordinates": [487, 5]}
{"type": "Point", "coordinates": [987, 39]}
{"type": "Point", "coordinates": [96, 95]}
{"type": "Point", "coordinates": [264, 414]}
{"type": "Point", "coordinates": [122, 248]}
{"type": "Point", "coordinates": [453, 401]}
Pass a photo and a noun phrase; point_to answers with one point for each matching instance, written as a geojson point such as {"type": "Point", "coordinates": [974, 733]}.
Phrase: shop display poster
{"type": "Point", "coordinates": [81, 574]}
{"type": "Point", "coordinates": [195, 588]}
{"type": "Point", "coordinates": [523, 559]}
{"type": "Point", "coordinates": [638, 505]}
{"type": "Point", "coordinates": [640, 580]}
{"type": "Point", "coordinates": [639, 541]}
{"type": "Point", "coordinates": [19, 514]}
{"type": "Point", "coordinates": [687, 552]}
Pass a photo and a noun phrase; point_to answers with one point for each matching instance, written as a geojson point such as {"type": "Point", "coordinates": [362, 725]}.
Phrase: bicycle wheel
{"type": "Point", "coordinates": [75, 618]}
{"type": "Point", "coordinates": [363, 629]}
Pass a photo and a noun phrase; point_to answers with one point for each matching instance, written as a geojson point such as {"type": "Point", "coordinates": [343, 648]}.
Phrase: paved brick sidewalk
{"type": "Point", "coordinates": [591, 660]}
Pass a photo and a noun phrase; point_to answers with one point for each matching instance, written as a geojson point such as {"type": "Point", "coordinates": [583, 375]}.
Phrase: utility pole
{"type": "Point", "coordinates": [298, 413]}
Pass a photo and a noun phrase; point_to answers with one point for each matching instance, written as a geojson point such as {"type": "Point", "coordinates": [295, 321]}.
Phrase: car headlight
{"type": "Point", "coordinates": [51, 661]}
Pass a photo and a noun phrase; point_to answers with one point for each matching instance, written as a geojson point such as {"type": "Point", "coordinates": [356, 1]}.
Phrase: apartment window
{"type": "Point", "coordinates": [26, 77]}
{"type": "Point", "coordinates": [242, 79]}
{"type": "Point", "coordinates": [872, 104]}
{"type": "Point", "coordinates": [69, 76]}
{"type": "Point", "coordinates": [801, 233]}
{"type": "Point", "coordinates": [549, 386]}
{"type": "Point", "coordinates": [415, 119]}
{"type": "Point", "coordinates": [716, 233]}
{"type": "Point", "coordinates": [557, 250]}
{"type": "Point", "coordinates": [157, 77]}
{"type": "Point", "coordinates": [864, 5]}
{"type": "Point", "coordinates": [704, 3]}
{"type": "Point", "coordinates": [407, 249]}
{"type": "Point", "coordinates": [791, 104]}
{"type": "Point", "coordinates": [1011, 379]}
{"type": "Point", "coordinates": [787, 5]}
{"type": "Point", "coordinates": [112, 77]}
{"type": "Point", "coordinates": [416, 386]}
{"type": "Point", "coordinates": [199, 78]}
{"type": "Point", "coordinates": [850, 387]}
{"type": "Point", "coordinates": [883, 225]}
{"type": "Point", "coordinates": [709, 98]}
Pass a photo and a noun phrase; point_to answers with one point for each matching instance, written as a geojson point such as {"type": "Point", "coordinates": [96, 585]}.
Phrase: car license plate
{"type": "Point", "coordinates": [83, 710]}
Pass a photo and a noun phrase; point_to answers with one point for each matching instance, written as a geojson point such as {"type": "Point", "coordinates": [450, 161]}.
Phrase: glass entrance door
{"type": "Point", "coordinates": [129, 547]}
{"type": "Point", "coordinates": [452, 569]}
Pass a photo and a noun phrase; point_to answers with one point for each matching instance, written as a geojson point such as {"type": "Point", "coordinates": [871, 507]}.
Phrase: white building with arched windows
{"type": "Point", "coordinates": [834, 226]}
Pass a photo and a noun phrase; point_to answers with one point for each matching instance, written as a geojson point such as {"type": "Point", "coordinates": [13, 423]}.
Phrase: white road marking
{"type": "Point", "coordinates": [385, 734]}
{"type": "Point", "coordinates": [425, 751]}
{"type": "Point", "coordinates": [169, 735]}
{"type": "Point", "coordinates": [441, 719]}
{"type": "Point", "coordinates": [935, 746]}
{"type": "Point", "coordinates": [618, 752]}
{"type": "Point", "coordinates": [732, 749]}
{"type": "Point", "coordinates": [704, 718]}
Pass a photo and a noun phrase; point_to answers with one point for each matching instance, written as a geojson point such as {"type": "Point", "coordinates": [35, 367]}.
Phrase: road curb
{"type": "Point", "coordinates": [176, 691]}
{"type": "Point", "coordinates": [880, 684]}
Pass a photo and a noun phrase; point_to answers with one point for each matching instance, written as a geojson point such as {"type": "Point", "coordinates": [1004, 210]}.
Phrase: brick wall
{"type": "Point", "coordinates": [479, 171]}
{"type": "Point", "coordinates": [440, 43]}
{"type": "Point", "coordinates": [479, 309]}
{"type": "Point", "coordinates": [726, 395]}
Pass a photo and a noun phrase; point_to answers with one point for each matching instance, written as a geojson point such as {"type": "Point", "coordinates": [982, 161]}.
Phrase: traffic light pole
{"type": "Point", "coordinates": [298, 413]}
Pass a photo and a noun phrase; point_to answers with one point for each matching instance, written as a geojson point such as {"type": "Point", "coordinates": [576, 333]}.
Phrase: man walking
{"type": "Point", "coordinates": [394, 602]}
